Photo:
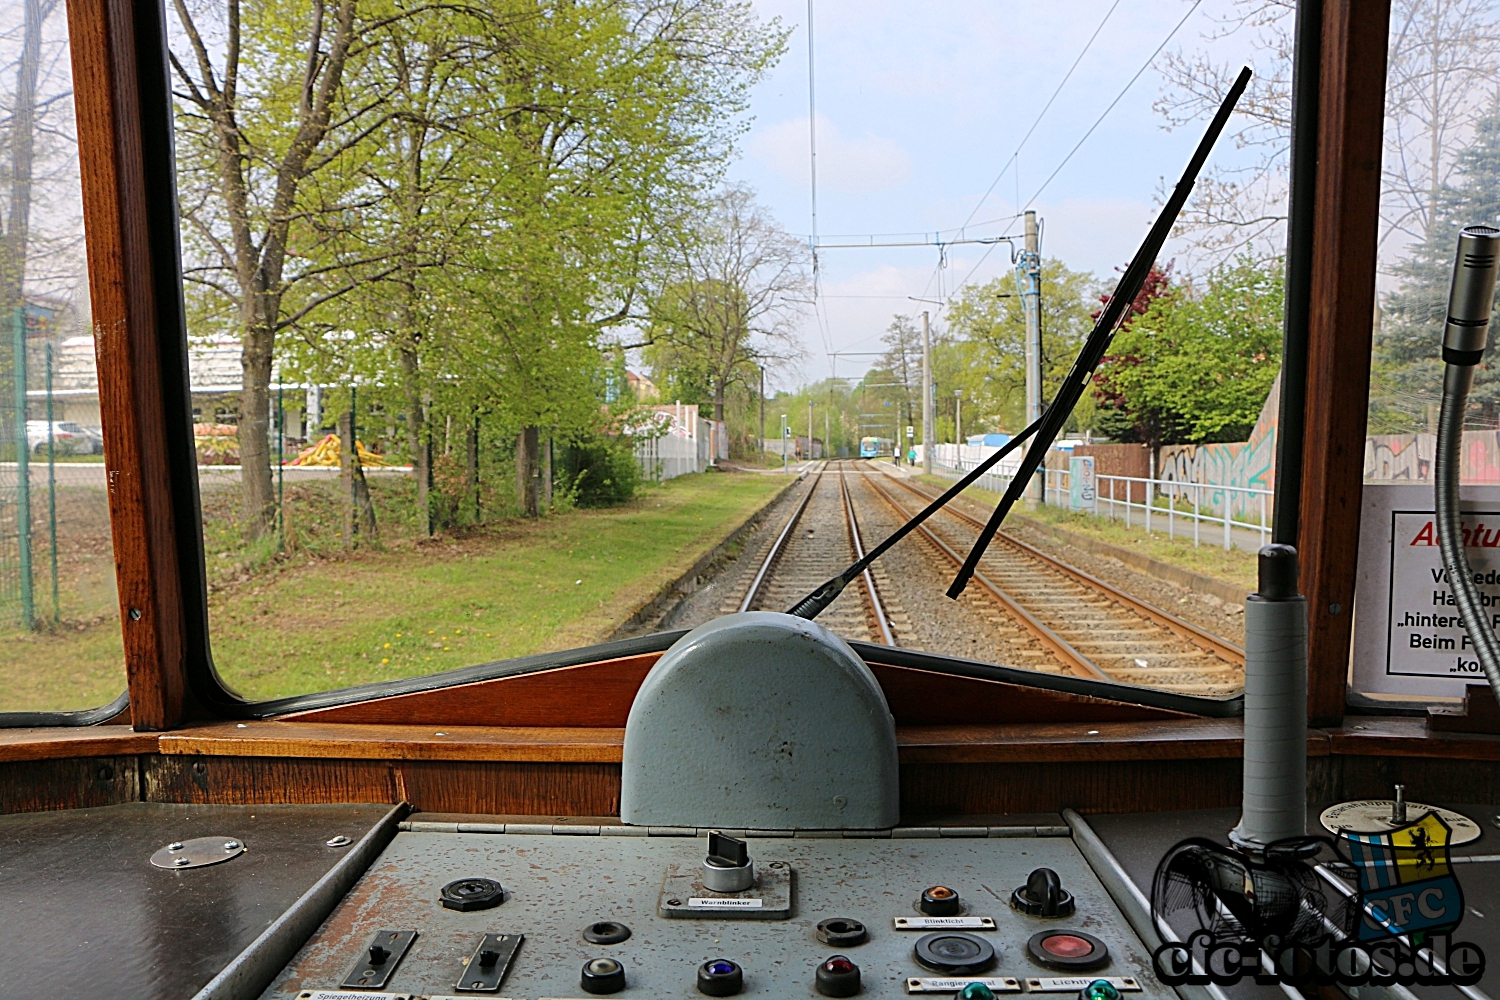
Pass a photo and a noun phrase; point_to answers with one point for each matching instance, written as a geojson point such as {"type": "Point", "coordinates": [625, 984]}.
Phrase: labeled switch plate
{"type": "Point", "coordinates": [1072, 984]}
{"type": "Point", "coordinates": [480, 978]}
{"type": "Point", "coordinates": [361, 995]}
{"type": "Point", "coordinates": [770, 898]}
{"type": "Point", "coordinates": [371, 975]}
{"type": "Point", "coordinates": [997, 984]}
{"type": "Point", "coordinates": [945, 923]}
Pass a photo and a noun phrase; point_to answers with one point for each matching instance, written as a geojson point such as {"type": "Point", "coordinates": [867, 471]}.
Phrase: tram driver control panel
{"type": "Point", "coordinates": [534, 912]}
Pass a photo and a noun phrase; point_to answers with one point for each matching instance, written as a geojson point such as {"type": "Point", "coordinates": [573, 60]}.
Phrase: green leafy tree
{"type": "Point", "coordinates": [1197, 367]}
{"type": "Point", "coordinates": [263, 116]}
{"type": "Point", "coordinates": [989, 348]}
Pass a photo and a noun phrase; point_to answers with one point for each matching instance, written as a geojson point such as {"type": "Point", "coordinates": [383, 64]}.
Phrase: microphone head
{"type": "Point", "coordinates": [1472, 295]}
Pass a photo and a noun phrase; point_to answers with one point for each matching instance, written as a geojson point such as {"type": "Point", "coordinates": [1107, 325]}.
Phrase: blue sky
{"type": "Point", "coordinates": [920, 104]}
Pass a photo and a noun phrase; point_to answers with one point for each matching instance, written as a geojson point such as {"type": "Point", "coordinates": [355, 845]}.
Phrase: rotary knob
{"type": "Point", "coordinates": [1043, 895]}
{"type": "Point", "coordinates": [728, 867]}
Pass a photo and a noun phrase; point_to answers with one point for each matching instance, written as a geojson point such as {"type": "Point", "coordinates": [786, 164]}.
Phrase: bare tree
{"type": "Point", "coordinates": [736, 283]}
{"type": "Point", "coordinates": [1442, 74]}
{"type": "Point", "coordinates": [1240, 207]}
{"type": "Point", "coordinates": [1442, 79]}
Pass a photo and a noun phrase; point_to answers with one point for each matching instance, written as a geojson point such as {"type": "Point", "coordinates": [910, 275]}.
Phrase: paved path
{"type": "Point", "coordinates": [209, 476]}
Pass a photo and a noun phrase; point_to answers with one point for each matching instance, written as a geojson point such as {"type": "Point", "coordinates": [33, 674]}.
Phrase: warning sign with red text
{"type": "Point", "coordinates": [1409, 636]}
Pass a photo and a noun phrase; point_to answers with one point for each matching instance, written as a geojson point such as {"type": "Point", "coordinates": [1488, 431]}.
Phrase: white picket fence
{"type": "Point", "coordinates": [670, 456]}
{"type": "Point", "coordinates": [1232, 515]}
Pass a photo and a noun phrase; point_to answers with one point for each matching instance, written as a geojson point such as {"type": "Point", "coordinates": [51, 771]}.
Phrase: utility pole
{"type": "Point", "coordinates": [1029, 280]}
{"type": "Point", "coordinates": [827, 418]}
{"type": "Point", "coordinates": [762, 413]}
{"type": "Point", "coordinates": [786, 432]}
{"type": "Point", "coordinates": [928, 437]}
{"type": "Point", "coordinates": [809, 427]}
{"type": "Point", "coordinates": [958, 416]}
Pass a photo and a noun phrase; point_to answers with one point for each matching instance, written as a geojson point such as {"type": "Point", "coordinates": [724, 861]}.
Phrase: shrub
{"type": "Point", "coordinates": [600, 472]}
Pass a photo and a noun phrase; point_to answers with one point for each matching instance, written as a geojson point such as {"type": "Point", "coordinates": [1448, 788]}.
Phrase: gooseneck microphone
{"type": "Point", "coordinates": [1471, 300]}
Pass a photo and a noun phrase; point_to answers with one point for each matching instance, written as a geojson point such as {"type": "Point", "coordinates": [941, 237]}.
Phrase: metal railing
{"type": "Point", "coordinates": [1183, 506]}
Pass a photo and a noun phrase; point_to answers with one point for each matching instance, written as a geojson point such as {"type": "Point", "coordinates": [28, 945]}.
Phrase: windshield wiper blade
{"type": "Point", "coordinates": [1104, 330]}
{"type": "Point", "coordinates": [813, 604]}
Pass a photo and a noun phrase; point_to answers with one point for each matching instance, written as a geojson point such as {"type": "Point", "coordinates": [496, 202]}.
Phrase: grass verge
{"type": "Point", "coordinates": [1209, 558]}
{"type": "Point", "coordinates": [505, 590]}
{"type": "Point", "coordinates": [318, 619]}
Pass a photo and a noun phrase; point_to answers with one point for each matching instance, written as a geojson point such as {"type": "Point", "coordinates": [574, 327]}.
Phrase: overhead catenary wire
{"type": "Point", "coordinates": [1042, 114]}
{"type": "Point", "coordinates": [1118, 97]}
{"type": "Point", "coordinates": [1079, 144]}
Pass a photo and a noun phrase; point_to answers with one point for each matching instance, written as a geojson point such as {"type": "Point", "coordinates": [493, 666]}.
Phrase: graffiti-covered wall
{"type": "Point", "coordinates": [1409, 457]}
{"type": "Point", "coordinates": [1244, 464]}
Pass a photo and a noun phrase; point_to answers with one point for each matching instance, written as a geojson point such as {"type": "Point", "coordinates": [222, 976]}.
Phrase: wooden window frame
{"type": "Point", "coordinates": [124, 115]}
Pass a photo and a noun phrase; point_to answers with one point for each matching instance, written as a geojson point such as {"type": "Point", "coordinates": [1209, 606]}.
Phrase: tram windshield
{"type": "Point", "coordinates": [547, 368]}
{"type": "Point", "coordinates": [520, 329]}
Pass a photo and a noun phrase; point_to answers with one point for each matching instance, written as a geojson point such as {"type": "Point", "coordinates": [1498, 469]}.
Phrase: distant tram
{"type": "Point", "coordinates": [873, 447]}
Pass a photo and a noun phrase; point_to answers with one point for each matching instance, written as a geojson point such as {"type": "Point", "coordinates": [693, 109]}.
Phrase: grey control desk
{"type": "Point", "coordinates": [559, 884]}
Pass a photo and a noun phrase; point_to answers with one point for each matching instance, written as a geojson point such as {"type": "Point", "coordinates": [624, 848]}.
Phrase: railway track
{"type": "Point", "coordinates": [820, 538]}
{"type": "Point", "coordinates": [1090, 627]}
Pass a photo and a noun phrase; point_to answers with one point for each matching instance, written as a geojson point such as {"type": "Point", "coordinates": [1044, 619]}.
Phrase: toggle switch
{"type": "Point", "coordinates": [484, 970]}
{"type": "Point", "coordinates": [1043, 895]}
{"type": "Point", "coordinates": [728, 867]}
{"type": "Point", "coordinates": [939, 901]}
{"type": "Point", "coordinates": [837, 977]}
{"type": "Point", "coordinates": [377, 963]}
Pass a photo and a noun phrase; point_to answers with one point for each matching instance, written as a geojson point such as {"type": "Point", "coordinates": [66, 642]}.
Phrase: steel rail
{"type": "Point", "coordinates": [859, 553]}
{"type": "Point", "coordinates": [1199, 637]}
{"type": "Point", "coordinates": [1063, 650]}
{"type": "Point", "coordinates": [776, 546]}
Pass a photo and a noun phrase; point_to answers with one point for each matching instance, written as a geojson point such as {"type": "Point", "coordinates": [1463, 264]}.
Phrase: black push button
{"type": "Point", "coordinates": [1043, 895]}
{"type": "Point", "coordinates": [602, 975]}
{"type": "Point", "coordinates": [720, 977]}
{"type": "Point", "coordinates": [955, 954]}
{"type": "Point", "coordinates": [837, 977]}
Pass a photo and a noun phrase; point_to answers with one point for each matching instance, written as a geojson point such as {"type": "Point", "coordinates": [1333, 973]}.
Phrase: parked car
{"type": "Point", "coordinates": [68, 438]}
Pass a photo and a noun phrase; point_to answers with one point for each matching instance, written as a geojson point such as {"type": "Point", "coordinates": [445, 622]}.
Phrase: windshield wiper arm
{"type": "Point", "coordinates": [813, 604]}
